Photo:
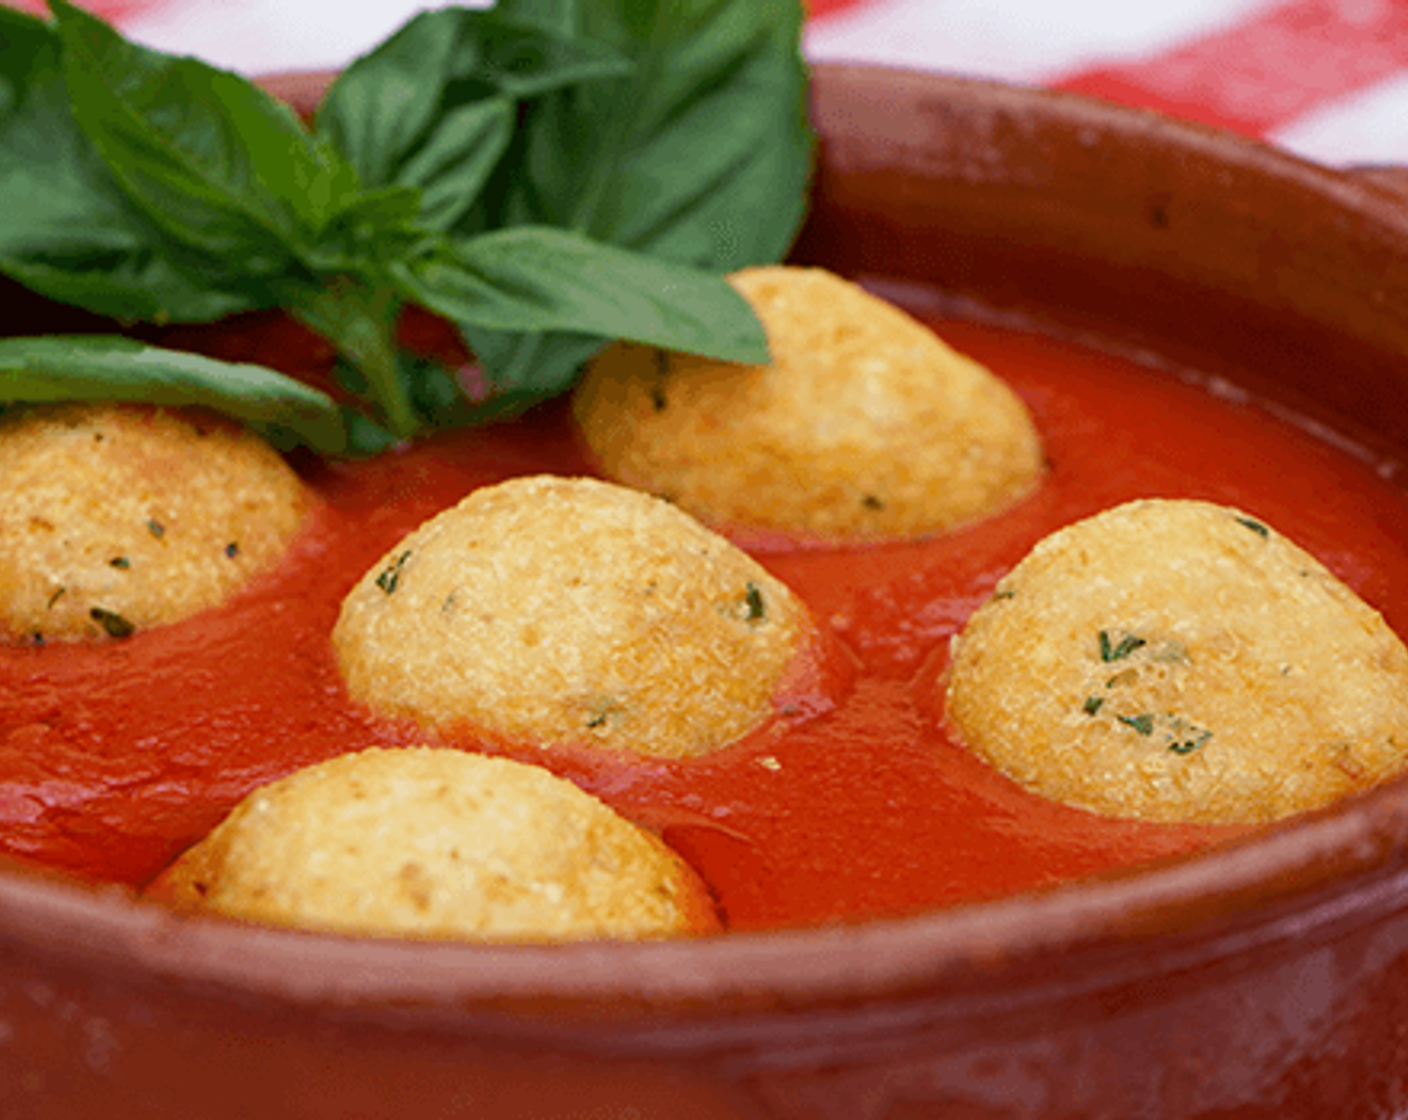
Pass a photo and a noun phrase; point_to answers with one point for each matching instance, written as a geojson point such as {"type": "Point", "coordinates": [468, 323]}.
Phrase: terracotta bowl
{"type": "Point", "coordinates": [1269, 979]}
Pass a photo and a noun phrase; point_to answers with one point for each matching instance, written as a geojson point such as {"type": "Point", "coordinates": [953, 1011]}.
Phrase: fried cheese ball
{"type": "Point", "coordinates": [865, 425]}
{"type": "Point", "coordinates": [118, 518]}
{"type": "Point", "coordinates": [550, 610]}
{"type": "Point", "coordinates": [1180, 661]}
{"type": "Point", "coordinates": [437, 843]}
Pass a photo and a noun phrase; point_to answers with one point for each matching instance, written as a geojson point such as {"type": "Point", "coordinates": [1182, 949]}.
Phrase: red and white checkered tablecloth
{"type": "Point", "coordinates": [1327, 79]}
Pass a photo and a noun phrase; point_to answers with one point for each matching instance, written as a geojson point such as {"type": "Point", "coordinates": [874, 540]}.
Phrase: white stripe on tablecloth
{"type": "Point", "coordinates": [1023, 40]}
{"type": "Point", "coordinates": [1367, 127]}
{"type": "Point", "coordinates": [265, 36]}
{"type": "Point", "coordinates": [1017, 40]}
{"type": "Point", "coordinates": [1032, 41]}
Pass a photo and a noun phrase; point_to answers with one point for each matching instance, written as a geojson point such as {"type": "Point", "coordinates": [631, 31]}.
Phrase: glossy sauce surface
{"type": "Point", "coordinates": [115, 757]}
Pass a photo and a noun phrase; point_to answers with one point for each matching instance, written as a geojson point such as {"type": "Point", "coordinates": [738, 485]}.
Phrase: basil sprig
{"type": "Point", "coordinates": [547, 174]}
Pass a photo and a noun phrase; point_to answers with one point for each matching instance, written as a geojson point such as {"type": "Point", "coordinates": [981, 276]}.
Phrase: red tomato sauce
{"type": "Point", "coordinates": [115, 757]}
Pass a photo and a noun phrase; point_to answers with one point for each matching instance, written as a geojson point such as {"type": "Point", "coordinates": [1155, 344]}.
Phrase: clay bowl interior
{"type": "Point", "coordinates": [1267, 978]}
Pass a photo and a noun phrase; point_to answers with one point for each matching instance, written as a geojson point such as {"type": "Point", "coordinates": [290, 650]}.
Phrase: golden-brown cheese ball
{"type": "Point", "coordinates": [118, 518]}
{"type": "Point", "coordinates": [864, 424]}
{"type": "Point", "coordinates": [1180, 661]}
{"type": "Point", "coordinates": [550, 610]}
{"type": "Point", "coordinates": [439, 844]}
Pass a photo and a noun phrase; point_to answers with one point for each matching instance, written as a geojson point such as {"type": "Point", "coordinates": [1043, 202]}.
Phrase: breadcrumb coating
{"type": "Point", "coordinates": [437, 843]}
{"type": "Point", "coordinates": [549, 610]}
{"type": "Point", "coordinates": [1180, 661]}
{"type": "Point", "coordinates": [118, 518]}
{"type": "Point", "coordinates": [865, 425]}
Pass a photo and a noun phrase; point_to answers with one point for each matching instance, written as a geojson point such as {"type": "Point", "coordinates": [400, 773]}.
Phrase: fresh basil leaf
{"type": "Point", "coordinates": [670, 127]}
{"type": "Point", "coordinates": [380, 107]}
{"type": "Point", "coordinates": [456, 161]}
{"type": "Point", "coordinates": [702, 155]}
{"type": "Point", "coordinates": [557, 17]}
{"type": "Point", "coordinates": [521, 61]}
{"type": "Point", "coordinates": [214, 161]}
{"type": "Point", "coordinates": [540, 279]}
{"type": "Point", "coordinates": [116, 368]}
{"type": "Point", "coordinates": [133, 284]}
{"type": "Point", "coordinates": [26, 44]}
{"type": "Point", "coordinates": [66, 228]}
{"type": "Point", "coordinates": [435, 105]}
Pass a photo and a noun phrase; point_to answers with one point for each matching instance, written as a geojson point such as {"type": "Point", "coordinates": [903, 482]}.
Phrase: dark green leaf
{"type": "Point", "coordinates": [702, 155]}
{"type": "Point", "coordinates": [21, 38]}
{"type": "Point", "coordinates": [114, 368]}
{"type": "Point", "coordinates": [533, 279]}
{"type": "Point", "coordinates": [454, 163]}
{"type": "Point", "coordinates": [558, 17]}
{"type": "Point", "coordinates": [381, 106]}
{"type": "Point", "coordinates": [66, 228]}
{"type": "Point", "coordinates": [435, 105]}
{"type": "Point", "coordinates": [213, 160]}
{"type": "Point", "coordinates": [136, 284]}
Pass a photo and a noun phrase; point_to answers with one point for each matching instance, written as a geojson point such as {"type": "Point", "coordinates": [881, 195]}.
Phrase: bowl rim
{"type": "Point", "coordinates": [1288, 881]}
